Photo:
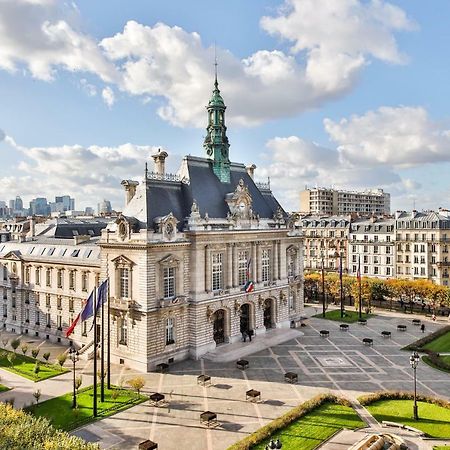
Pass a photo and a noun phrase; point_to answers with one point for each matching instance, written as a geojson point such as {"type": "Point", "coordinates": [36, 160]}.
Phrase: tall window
{"type": "Point", "coordinates": [27, 315]}
{"type": "Point", "coordinates": [47, 300]}
{"type": "Point", "coordinates": [59, 302]}
{"type": "Point", "coordinates": [5, 273]}
{"type": "Point", "coordinates": [291, 265]}
{"type": "Point", "coordinates": [38, 276]}
{"type": "Point", "coordinates": [169, 282]}
{"type": "Point", "coordinates": [37, 318]}
{"type": "Point", "coordinates": [123, 332]}
{"type": "Point", "coordinates": [48, 321]}
{"type": "Point", "coordinates": [84, 281]}
{"type": "Point", "coordinates": [72, 279]}
{"type": "Point", "coordinates": [59, 322]}
{"type": "Point", "coordinates": [27, 275]}
{"type": "Point", "coordinates": [48, 277]}
{"type": "Point", "coordinates": [59, 278]}
{"type": "Point", "coordinates": [5, 311]}
{"type": "Point", "coordinates": [124, 278]}
{"type": "Point", "coordinates": [242, 267]}
{"type": "Point", "coordinates": [217, 271]}
{"type": "Point", "coordinates": [170, 335]}
{"type": "Point", "coordinates": [265, 264]}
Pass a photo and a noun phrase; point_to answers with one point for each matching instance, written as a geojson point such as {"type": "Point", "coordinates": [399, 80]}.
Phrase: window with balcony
{"type": "Point", "coordinates": [124, 282]}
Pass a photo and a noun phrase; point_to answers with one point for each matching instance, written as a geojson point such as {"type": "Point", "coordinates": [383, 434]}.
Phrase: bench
{"type": "Point", "coordinates": [386, 334]}
{"type": "Point", "coordinates": [157, 399]}
{"type": "Point", "coordinates": [368, 341]}
{"type": "Point", "coordinates": [387, 423]}
{"type": "Point", "coordinates": [242, 364]}
{"type": "Point", "coordinates": [416, 321]}
{"type": "Point", "coordinates": [362, 321]}
{"type": "Point", "coordinates": [253, 395]}
{"type": "Point", "coordinates": [204, 380]}
{"type": "Point", "coordinates": [324, 333]}
{"type": "Point", "coordinates": [343, 327]}
{"type": "Point", "coordinates": [290, 377]}
{"type": "Point", "coordinates": [401, 327]}
{"type": "Point", "coordinates": [147, 445]}
{"type": "Point", "coordinates": [162, 368]}
{"type": "Point", "coordinates": [209, 419]}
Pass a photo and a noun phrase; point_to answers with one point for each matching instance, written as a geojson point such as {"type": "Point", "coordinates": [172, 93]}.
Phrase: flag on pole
{"type": "Point", "coordinates": [249, 285]}
{"type": "Point", "coordinates": [249, 262]}
{"type": "Point", "coordinates": [72, 326]}
{"type": "Point", "coordinates": [102, 294]}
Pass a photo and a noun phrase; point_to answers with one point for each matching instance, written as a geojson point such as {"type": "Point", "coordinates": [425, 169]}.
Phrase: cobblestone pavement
{"type": "Point", "coordinates": [340, 363]}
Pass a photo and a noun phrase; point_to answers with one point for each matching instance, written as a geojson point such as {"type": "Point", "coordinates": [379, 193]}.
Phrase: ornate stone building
{"type": "Point", "coordinates": [180, 259]}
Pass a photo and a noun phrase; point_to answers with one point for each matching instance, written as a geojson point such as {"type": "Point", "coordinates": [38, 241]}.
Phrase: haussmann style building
{"type": "Point", "coordinates": [193, 260]}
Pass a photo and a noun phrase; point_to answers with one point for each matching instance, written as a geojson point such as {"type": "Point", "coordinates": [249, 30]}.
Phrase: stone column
{"type": "Point", "coordinates": [229, 280]}
{"type": "Point", "coordinates": [275, 260]}
{"type": "Point", "coordinates": [207, 268]}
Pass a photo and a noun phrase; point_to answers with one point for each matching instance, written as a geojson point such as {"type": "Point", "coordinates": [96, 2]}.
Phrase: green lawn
{"type": "Point", "coordinates": [440, 344]}
{"type": "Point", "coordinates": [61, 415]}
{"type": "Point", "coordinates": [313, 428]}
{"type": "Point", "coordinates": [24, 366]}
{"type": "Point", "coordinates": [441, 447]}
{"type": "Point", "coordinates": [428, 361]}
{"type": "Point", "coordinates": [3, 388]}
{"type": "Point", "coordinates": [433, 420]}
{"type": "Point", "coordinates": [350, 316]}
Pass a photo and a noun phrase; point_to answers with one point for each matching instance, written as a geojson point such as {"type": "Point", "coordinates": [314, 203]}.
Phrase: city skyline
{"type": "Point", "coordinates": [306, 109]}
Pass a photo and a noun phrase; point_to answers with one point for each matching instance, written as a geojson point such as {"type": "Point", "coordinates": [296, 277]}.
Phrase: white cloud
{"type": "Point", "coordinates": [42, 35]}
{"type": "Point", "coordinates": [87, 173]}
{"type": "Point", "coordinates": [399, 137]}
{"type": "Point", "coordinates": [90, 89]}
{"type": "Point", "coordinates": [108, 96]}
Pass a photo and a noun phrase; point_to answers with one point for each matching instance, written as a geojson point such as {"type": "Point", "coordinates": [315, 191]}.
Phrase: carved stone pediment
{"type": "Point", "coordinates": [122, 261]}
{"type": "Point", "coordinates": [240, 202]}
{"type": "Point", "coordinates": [169, 261]}
{"type": "Point", "coordinates": [292, 249]}
{"type": "Point", "coordinates": [14, 255]}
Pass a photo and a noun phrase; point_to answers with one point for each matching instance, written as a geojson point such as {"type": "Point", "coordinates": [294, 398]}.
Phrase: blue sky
{"type": "Point", "coordinates": [348, 93]}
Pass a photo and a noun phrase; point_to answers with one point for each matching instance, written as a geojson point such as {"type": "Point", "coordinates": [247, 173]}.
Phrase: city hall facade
{"type": "Point", "coordinates": [178, 257]}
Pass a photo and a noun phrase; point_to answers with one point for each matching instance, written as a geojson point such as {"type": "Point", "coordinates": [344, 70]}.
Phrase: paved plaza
{"type": "Point", "coordinates": [340, 363]}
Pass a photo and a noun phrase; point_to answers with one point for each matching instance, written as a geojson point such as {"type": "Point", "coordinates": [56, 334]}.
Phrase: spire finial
{"type": "Point", "coordinates": [215, 66]}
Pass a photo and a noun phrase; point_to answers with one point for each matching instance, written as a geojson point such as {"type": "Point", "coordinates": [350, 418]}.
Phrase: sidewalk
{"type": "Point", "coordinates": [237, 350]}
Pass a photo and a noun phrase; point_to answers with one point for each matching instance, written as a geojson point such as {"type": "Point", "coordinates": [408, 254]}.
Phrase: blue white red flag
{"type": "Point", "coordinates": [249, 286]}
{"type": "Point", "coordinates": [102, 294]}
{"type": "Point", "coordinates": [88, 309]}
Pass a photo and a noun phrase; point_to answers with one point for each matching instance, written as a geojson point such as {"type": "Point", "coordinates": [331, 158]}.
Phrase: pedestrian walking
{"type": "Point", "coordinates": [422, 328]}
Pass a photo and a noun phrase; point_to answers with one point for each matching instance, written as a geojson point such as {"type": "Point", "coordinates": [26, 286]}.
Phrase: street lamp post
{"type": "Point", "coordinates": [414, 361]}
{"type": "Point", "coordinates": [73, 355]}
{"type": "Point", "coordinates": [323, 287]}
{"type": "Point", "coordinates": [273, 445]}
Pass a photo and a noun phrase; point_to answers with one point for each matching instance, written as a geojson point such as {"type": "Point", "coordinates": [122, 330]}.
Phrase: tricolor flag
{"type": "Point", "coordinates": [249, 286]}
{"type": "Point", "coordinates": [86, 312]}
{"type": "Point", "coordinates": [102, 296]}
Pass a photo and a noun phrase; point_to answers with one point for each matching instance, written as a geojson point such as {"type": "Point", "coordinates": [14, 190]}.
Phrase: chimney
{"type": "Point", "coordinates": [130, 189]}
{"type": "Point", "coordinates": [160, 159]}
{"type": "Point", "coordinates": [250, 170]}
{"type": "Point", "coordinates": [32, 232]}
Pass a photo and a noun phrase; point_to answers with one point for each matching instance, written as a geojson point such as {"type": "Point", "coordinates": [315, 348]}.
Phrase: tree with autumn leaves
{"type": "Point", "coordinates": [376, 289]}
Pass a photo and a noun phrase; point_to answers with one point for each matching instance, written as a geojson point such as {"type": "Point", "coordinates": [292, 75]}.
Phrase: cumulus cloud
{"type": "Point", "coordinates": [332, 42]}
{"type": "Point", "coordinates": [399, 137]}
{"type": "Point", "coordinates": [42, 36]}
{"type": "Point", "coordinates": [108, 96]}
{"type": "Point", "coordinates": [87, 173]}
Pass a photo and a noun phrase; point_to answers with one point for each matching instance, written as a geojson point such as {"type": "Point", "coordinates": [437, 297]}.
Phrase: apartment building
{"type": "Point", "coordinates": [325, 240]}
{"type": "Point", "coordinates": [337, 202]}
{"type": "Point", "coordinates": [372, 246]}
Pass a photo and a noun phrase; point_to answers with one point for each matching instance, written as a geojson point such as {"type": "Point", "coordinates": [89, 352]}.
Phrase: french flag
{"type": "Point", "coordinates": [86, 312]}
{"type": "Point", "coordinates": [249, 286]}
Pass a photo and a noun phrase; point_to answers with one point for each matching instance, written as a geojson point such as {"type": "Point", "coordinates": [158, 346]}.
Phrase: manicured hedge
{"type": "Point", "coordinates": [299, 411]}
{"type": "Point", "coordinates": [19, 430]}
{"type": "Point", "coordinates": [418, 345]}
{"type": "Point", "coordinates": [401, 395]}
{"type": "Point", "coordinates": [434, 360]}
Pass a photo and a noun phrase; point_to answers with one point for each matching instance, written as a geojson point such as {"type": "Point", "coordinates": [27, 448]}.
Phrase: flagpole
{"type": "Point", "coordinates": [108, 349]}
{"type": "Point", "coordinates": [102, 361]}
{"type": "Point", "coordinates": [341, 287]}
{"type": "Point", "coordinates": [359, 287]}
{"type": "Point", "coordinates": [94, 406]}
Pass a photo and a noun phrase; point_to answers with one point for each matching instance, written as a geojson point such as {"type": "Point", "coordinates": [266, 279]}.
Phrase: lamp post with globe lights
{"type": "Point", "coordinates": [414, 361]}
{"type": "Point", "coordinates": [74, 356]}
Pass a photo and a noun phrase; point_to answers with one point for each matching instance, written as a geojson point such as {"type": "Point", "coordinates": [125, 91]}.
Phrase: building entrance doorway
{"type": "Point", "coordinates": [268, 310]}
{"type": "Point", "coordinates": [219, 326]}
{"type": "Point", "coordinates": [245, 318]}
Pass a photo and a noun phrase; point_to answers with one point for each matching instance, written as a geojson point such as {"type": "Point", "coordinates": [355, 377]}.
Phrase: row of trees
{"type": "Point", "coordinates": [376, 289]}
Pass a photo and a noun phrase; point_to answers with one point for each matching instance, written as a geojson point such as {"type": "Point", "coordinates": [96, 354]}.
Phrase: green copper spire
{"type": "Point", "coordinates": [216, 141]}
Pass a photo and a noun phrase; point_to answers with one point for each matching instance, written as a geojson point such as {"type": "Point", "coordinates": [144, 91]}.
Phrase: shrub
{"type": "Point", "coordinates": [37, 368]}
{"type": "Point", "coordinates": [11, 358]}
{"type": "Point", "coordinates": [100, 375]}
{"type": "Point", "coordinates": [418, 345]}
{"type": "Point", "coordinates": [24, 349]}
{"type": "Point", "coordinates": [15, 344]}
{"type": "Point", "coordinates": [78, 382]}
{"type": "Point", "coordinates": [5, 341]}
{"type": "Point", "coordinates": [37, 395]}
{"type": "Point", "coordinates": [401, 395]}
{"type": "Point", "coordinates": [136, 383]}
{"type": "Point", "coordinates": [281, 422]}
{"type": "Point", "coordinates": [46, 356]}
{"type": "Point", "coordinates": [35, 433]}
{"type": "Point", "coordinates": [61, 359]}
{"type": "Point", "coordinates": [115, 393]}
{"type": "Point", "coordinates": [35, 352]}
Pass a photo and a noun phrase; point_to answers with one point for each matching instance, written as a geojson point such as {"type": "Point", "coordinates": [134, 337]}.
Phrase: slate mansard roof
{"type": "Point", "coordinates": [161, 195]}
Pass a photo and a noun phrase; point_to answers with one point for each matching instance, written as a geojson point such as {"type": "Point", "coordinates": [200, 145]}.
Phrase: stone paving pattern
{"type": "Point", "coordinates": [341, 364]}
